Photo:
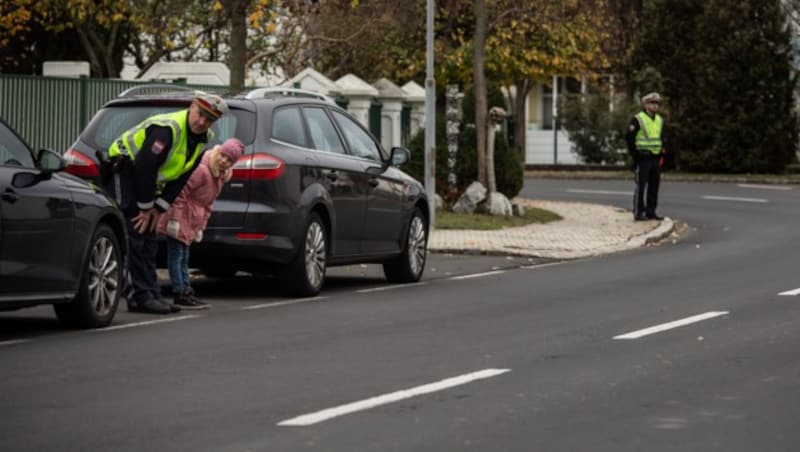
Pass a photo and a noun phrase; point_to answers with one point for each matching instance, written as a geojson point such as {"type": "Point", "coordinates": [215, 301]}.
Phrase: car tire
{"type": "Point", "coordinates": [408, 267]}
{"type": "Point", "coordinates": [305, 274]}
{"type": "Point", "coordinates": [101, 283]}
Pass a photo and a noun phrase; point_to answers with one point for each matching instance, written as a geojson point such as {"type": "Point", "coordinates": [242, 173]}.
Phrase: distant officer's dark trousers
{"type": "Point", "coordinates": [142, 280]}
{"type": "Point", "coordinates": [648, 178]}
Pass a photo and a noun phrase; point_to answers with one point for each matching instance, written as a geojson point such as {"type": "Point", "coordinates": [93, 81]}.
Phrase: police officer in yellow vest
{"type": "Point", "coordinates": [152, 162]}
{"type": "Point", "coordinates": [647, 150]}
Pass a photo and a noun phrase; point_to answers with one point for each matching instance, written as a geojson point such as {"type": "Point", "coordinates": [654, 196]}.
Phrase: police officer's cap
{"type": "Point", "coordinates": [211, 105]}
{"type": "Point", "coordinates": [651, 97]}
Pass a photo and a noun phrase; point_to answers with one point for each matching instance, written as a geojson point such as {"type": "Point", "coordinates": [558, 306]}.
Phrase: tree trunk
{"type": "Point", "coordinates": [479, 78]}
{"type": "Point", "coordinates": [491, 185]}
{"type": "Point", "coordinates": [520, 117]}
{"type": "Point", "coordinates": [237, 14]}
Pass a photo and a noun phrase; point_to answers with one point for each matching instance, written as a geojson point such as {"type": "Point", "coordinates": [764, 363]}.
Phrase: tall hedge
{"type": "Point", "coordinates": [728, 80]}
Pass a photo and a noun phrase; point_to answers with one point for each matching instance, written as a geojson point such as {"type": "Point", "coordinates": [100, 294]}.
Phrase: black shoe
{"type": "Point", "coordinates": [150, 306]}
{"type": "Point", "coordinates": [188, 301]}
{"type": "Point", "coordinates": [640, 218]}
{"type": "Point", "coordinates": [172, 306]}
{"type": "Point", "coordinates": [653, 216]}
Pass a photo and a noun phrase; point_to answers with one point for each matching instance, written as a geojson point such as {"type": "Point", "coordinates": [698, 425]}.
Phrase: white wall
{"type": "Point", "coordinates": [539, 148]}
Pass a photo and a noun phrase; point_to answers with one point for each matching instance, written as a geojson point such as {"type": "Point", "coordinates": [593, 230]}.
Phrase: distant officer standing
{"type": "Point", "coordinates": [152, 162]}
{"type": "Point", "coordinates": [646, 149]}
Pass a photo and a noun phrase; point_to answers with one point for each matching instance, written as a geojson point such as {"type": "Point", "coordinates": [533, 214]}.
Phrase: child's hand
{"type": "Point", "coordinates": [172, 228]}
{"type": "Point", "coordinates": [198, 237]}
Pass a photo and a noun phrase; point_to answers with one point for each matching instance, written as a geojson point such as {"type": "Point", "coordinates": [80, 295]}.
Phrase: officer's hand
{"type": "Point", "coordinates": [145, 221]}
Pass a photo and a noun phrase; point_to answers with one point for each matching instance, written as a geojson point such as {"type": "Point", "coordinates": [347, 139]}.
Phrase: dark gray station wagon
{"type": "Point", "coordinates": [313, 189]}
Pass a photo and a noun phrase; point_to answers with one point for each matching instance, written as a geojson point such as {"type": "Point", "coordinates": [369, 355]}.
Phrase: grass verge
{"type": "Point", "coordinates": [483, 222]}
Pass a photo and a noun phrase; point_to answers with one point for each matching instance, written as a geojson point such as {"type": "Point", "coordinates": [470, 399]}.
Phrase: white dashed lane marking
{"type": "Point", "coordinates": [275, 304]}
{"type": "Point", "coordinates": [396, 286]}
{"type": "Point", "coordinates": [765, 187]}
{"type": "Point", "coordinates": [13, 342]}
{"type": "Point", "coordinates": [670, 325]}
{"type": "Point", "coordinates": [372, 402]}
{"type": "Point", "coordinates": [734, 199]}
{"type": "Point", "coordinates": [600, 192]}
{"type": "Point", "coordinates": [138, 324]}
{"type": "Point", "coordinates": [478, 275]}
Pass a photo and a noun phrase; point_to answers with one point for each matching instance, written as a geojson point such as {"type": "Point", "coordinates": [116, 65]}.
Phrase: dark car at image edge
{"type": "Point", "coordinates": [62, 239]}
{"type": "Point", "coordinates": [313, 189]}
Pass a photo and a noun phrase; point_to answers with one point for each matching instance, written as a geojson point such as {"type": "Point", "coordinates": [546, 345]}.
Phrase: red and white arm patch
{"type": "Point", "coordinates": [158, 147]}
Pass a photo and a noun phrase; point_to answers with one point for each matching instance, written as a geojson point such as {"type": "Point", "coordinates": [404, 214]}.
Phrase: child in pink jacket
{"type": "Point", "coordinates": [188, 216]}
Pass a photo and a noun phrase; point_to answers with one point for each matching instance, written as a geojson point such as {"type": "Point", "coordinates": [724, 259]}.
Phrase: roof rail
{"type": "Point", "coordinates": [297, 92]}
{"type": "Point", "coordinates": [152, 88]}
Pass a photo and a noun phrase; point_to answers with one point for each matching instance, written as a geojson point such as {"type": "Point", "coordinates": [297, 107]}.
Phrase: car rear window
{"type": "Point", "coordinates": [110, 122]}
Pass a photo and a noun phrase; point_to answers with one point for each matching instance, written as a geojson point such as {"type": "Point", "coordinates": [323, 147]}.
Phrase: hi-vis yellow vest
{"type": "Point", "coordinates": [176, 163]}
{"type": "Point", "coordinates": [648, 138]}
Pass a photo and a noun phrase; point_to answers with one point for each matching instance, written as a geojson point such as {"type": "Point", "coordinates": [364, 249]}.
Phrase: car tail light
{"type": "Point", "coordinates": [80, 165]}
{"type": "Point", "coordinates": [251, 236]}
{"type": "Point", "coordinates": [258, 166]}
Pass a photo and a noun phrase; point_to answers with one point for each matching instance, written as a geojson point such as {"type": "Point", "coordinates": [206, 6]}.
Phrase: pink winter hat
{"type": "Point", "coordinates": [232, 148]}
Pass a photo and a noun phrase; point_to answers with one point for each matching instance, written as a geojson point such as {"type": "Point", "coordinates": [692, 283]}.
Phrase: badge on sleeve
{"type": "Point", "coordinates": [157, 147]}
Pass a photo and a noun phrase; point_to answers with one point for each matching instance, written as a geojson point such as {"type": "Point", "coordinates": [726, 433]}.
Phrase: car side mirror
{"type": "Point", "coordinates": [25, 179]}
{"type": "Point", "coordinates": [400, 156]}
{"type": "Point", "coordinates": [49, 161]}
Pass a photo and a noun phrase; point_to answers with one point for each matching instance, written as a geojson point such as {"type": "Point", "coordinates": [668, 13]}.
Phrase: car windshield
{"type": "Point", "coordinates": [110, 122]}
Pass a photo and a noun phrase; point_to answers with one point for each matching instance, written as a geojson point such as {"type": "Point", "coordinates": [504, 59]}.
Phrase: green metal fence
{"type": "Point", "coordinates": [50, 112]}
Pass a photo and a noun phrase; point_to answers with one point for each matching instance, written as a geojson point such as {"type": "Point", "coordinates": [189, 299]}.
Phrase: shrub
{"type": "Point", "coordinates": [598, 134]}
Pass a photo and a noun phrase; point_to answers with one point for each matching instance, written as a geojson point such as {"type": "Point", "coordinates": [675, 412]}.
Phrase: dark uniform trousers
{"type": "Point", "coordinates": [648, 178]}
{"type": "Point", "coordinates": [142, 281]}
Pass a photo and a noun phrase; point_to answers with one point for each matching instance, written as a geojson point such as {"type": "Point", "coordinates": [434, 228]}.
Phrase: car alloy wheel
{"type": "Point", "coordinates": [103, 277]}
{"type": "Point", "coordinates": [304, 275]}
{"type": "Point", "coordinates": [416, 246]}
{"type": "Point", "coordinates": [315, 254]}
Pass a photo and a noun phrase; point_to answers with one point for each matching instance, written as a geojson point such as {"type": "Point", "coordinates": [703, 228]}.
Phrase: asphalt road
{"type": "Point", "coordinates": [684, 346]}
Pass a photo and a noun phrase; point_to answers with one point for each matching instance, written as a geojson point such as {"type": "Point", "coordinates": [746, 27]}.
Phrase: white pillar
{"type": "Point", "coordinates": [391, 117]}
{"type": "Point", "coordinates": [359, 107]}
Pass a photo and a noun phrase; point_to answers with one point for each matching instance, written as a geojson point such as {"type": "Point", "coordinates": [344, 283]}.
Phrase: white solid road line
{"type": "Point", "coordinates": [732, 198]}
{"type": "Point", "coordinates": [766, 187]}
{"type": "Point", "coordinates": [790, 292]}
{"type": "Point", "coordinates": [601, 192]}
{"type": "Point", "coordinates": [137, 324]}
{"type": "Point", "coordinates": [372, 402]}
{"type": "Point", "coordinates": [397, 286]}
{"type": "Point", "coordinates": [671, 325]}
{"type": "Point", "coordinates": [478, 275]}
{"type": "Point", "coordinates": [14, 342]}
{"type": "Point", "coordinates": [275, 304]}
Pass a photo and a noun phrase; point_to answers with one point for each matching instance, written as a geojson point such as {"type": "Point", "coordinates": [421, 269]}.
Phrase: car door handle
{"type": "Point", "coordinates": [373, 182]}
{"type": "Point", "coordinates": [332, 175]}
{"type": "Point", "coordinates": [9, 196]}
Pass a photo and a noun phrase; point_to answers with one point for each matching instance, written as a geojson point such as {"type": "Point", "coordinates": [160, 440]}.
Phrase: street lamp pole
{"type": "Point", "coordinates": [430, 118]}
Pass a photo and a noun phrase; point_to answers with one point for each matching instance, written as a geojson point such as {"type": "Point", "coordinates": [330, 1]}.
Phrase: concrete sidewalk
{"type": "Point", "coordinates": [585, 230]}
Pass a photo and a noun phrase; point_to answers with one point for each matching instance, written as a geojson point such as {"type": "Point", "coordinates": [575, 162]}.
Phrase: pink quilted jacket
{"type": "Point", "coordinates": [192, 207]}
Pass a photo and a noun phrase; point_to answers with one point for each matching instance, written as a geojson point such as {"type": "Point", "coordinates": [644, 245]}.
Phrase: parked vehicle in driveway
{"type": "Point", "coordinates": [62, 239]}
{"type": "Point", "coordinates": [313, 189]}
